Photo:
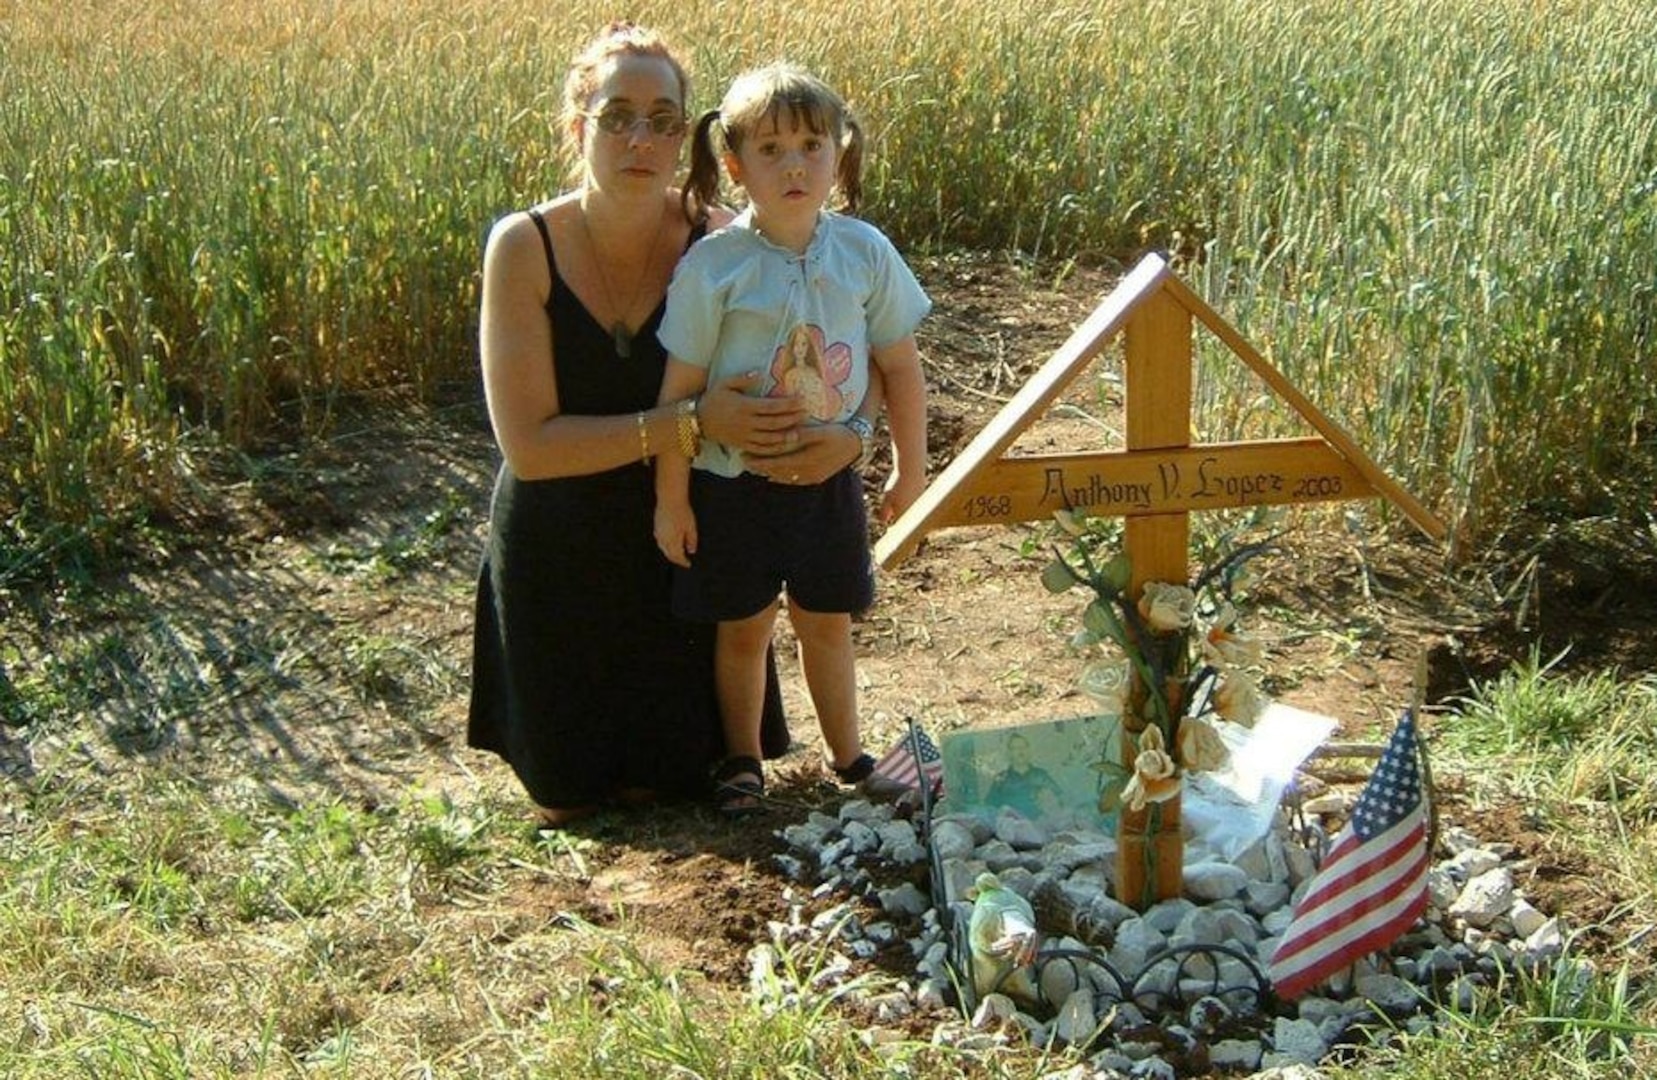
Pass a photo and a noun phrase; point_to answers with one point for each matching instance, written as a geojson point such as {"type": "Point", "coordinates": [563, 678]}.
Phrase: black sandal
{"type": "Point", "coordinates": [870, 784]}
{"type": "Point", "coordinates": [739, 787]}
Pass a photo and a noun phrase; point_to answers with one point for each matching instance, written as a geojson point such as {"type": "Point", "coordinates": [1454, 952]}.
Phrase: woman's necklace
{"type": "Point", "coordinates": [619, 333]}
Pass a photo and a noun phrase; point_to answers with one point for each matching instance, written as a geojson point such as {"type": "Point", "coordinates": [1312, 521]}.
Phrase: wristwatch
{"type": "Point", "coordinates": [864, 429]}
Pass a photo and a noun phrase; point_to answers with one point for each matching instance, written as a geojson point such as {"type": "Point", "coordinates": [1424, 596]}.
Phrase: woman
{"type": "Point", "coordinates": [581, 679]}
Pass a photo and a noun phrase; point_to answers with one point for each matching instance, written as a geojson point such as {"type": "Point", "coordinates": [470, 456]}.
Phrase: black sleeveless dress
{"type": "Point", "coordinates": [582, 679]}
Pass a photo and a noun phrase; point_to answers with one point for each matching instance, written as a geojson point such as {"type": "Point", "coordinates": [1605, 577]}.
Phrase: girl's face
{"type": "Point", "coordinates": [787, 169]}
{"type": "Point", "coordinates": [634, 124]}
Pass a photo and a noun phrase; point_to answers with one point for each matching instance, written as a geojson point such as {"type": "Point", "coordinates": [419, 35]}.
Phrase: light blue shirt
{"type": "Point", "coordinates": [740, 303]}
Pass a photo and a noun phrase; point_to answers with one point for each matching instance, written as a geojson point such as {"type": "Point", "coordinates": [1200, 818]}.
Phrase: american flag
{"type": "Point", "coordinates": [900, 764]}
{"type": "Point", "coordinates": [1373, 885]}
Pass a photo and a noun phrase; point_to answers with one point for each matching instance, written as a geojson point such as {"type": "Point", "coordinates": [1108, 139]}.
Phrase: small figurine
{"type": "Point", "coordinates": [1001, 937]}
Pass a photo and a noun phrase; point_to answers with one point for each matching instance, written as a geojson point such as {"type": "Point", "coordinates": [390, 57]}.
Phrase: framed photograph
{"type": "Point", "coordinates": [1046, 771]}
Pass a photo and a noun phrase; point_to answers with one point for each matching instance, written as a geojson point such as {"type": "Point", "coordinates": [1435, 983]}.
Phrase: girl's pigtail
{"type": "Point", "coordinates": [702, 185]}
{"type": "Point", "coordinates": [851, 166]}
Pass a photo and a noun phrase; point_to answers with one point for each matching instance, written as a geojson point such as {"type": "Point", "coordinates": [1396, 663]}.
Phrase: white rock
{"type": "Point", "coordinates": [1069, 856]}
{"type": "Point", "coordinates": [1301, 866]}
{"type": "Point", "coordinates": [907, 854]}
{"type": "Point", "coordinates": [905, 899]}
{"type": "Point", "coordinates": [1526, 919]}
{"type": "Point", "coordinates": [1442, 889]}
{"type": "Point", "coordinates": [1136, 940]}
{"type": "Point", "coordinates": [809, 836]}
{"type": "Point", "coordinates": [1275, 922]}
{"type": "Point", "coordinates": [1096, 878]}
{"type": "Point", "coordinates": [863, 838]}
{"type": "Point", "coordinates": [881, 934]}
{"type": "Point", "coordinates": [1020, 832]}
{"type": "Point", "coordinates": [832, 854]}
{"type": "Point", "coordinates": [1214, 881]}
{"type": "Point", "coordinates": [1471, 863]}
{"type": "Point", "coordinates": [1019, 880]}
{"type": "Point", "coordinates": [952, 840]}
{"type": "Point", "coordinates": [1484, 898]}
{"type": "Point", "coordinates": [1236, 1054]}
{"type": "Point", "coordinates": [1318, 1009]}
{"type": "Point", "coordinates": [1153, 1068]}
{"type": "Point", "coordinates": [1300, 1040]}
{"type": "Point", "coordinates": [1255, 861]}
{"type": "Point", "coordinates": [1237, 927]}
{"type": "Point", "coordinates": [1077, 1023]}
{"type": "Point", "coordinates": [1287, 1071]}
{"type": "Point", "coordinates": [863, 810]}
{"type": "Point", "coordinates": [993, 1011]}
{"type": "Point", "coordinates": [1546, 941]}
{"type": "Point", "coordinates": [1263, 897]}
{"type": "Point", "coordinates": [1058, 980]}
{"type": "Point", "coordinates": [1166, 915]}
{"type": "Point", "coordinates": [1392, 995]}
{"type": "Point", "coordinates": [932, 994]}
{"type": "Point", "coordinates": [960, 875]}
{"type": "Point", "coordinates": [1199, 926]}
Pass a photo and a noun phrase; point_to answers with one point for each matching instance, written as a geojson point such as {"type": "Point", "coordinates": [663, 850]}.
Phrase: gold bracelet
{"type": "Point", "coordinates": [644, 439]}
{"type": "Point", "coordinates": [688, 428]}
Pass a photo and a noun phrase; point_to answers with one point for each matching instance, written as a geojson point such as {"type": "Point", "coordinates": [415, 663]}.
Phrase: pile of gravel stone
{"type": "Point", "coordinates": [868, 876]}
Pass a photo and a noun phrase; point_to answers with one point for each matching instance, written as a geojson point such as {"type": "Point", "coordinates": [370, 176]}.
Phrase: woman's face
{"type": "Point", "coordinates": [633, 126]}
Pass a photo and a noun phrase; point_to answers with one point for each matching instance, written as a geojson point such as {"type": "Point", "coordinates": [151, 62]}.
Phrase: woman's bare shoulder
{"type": "Point", "coordinates": [515, 241]}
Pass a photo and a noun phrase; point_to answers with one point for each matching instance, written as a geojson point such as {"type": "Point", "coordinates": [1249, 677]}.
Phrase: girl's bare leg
{"type": "Point", "coordinates": [830, 666]}
{"type": "Point", "coordinates": [739, 676]}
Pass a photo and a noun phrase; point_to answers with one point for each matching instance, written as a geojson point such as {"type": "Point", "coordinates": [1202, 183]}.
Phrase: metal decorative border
{"type": "Point", "coordinates": [1256, 991]}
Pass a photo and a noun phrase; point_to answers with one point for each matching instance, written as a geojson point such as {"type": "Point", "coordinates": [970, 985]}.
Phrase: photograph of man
{"type": "Point", "coordinates": [1024, 785]}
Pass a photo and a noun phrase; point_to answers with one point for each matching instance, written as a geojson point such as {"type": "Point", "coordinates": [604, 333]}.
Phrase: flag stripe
{"type": "Point", "coordinates": [1315, 929]}
{"type": "Point", "coordinates": [1375, 932]}
{"type": "Point", "coordinates": [1373, 885]}
{"type": "Point", "coordinates": [1330, 931]}
{"type": "Point", "coordinates": [1389, 853]}
{"type": "Point", "coordinates": [899, 763]}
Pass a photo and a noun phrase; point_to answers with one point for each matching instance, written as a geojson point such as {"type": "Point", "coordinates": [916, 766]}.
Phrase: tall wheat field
{"type": "Point", "coordinates": [219, 221]}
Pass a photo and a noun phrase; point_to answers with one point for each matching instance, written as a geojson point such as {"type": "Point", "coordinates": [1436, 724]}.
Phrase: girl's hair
{"type": "Point", "coordinates": [765, 95]}
{"type": "Point", "coordinates": [620, 38]}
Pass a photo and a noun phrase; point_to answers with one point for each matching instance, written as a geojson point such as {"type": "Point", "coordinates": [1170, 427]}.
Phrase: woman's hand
{"type": "Point", "coordinates": [817, 453]}
{"type": "Point", "coordinates": [753, 425]}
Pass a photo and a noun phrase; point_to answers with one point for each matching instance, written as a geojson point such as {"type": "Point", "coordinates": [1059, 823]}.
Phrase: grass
{"type": "Point", "coordinates": [291, 879]}
{"type": "Point", "coordinates": [219, 222]}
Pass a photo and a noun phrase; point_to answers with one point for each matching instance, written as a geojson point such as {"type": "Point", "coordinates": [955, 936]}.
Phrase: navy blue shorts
{"type": "Point", "coordinates": [754, 538]}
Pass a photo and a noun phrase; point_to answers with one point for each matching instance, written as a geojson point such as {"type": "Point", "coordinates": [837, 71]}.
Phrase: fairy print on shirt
{"type": "Point", "coordinates": [806, 365]}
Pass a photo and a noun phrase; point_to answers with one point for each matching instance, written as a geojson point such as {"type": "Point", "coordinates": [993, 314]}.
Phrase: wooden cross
{"type": "Point", "coordinates": [1154, 483]}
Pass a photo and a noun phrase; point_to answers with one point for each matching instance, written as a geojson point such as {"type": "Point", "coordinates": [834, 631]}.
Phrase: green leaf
{"type": "Point", "coordinates": [1101, 621]}
{"type": "Point", "coordinates": [1058, 577]}
{"type": "Point", "coordinates": [1117, 573]}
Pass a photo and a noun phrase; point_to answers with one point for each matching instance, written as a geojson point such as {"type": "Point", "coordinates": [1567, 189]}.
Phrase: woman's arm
{"type": "Point", "coordinates": [675, 522]}
{"type": "Point", "coordinates": [814, 453]}
{"type": "Point", "coordinates": [515, 343]}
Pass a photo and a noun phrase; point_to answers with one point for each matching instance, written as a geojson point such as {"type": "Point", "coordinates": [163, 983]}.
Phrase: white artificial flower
{"type": "Point", "coordinates": [1237, 698]}
{"type": "Point", "coordinates": [1200, 746]}
{"type": "Point", "coordinates": [1166, 608]}
{"type": "Point", "coordinates": [1106, 682]}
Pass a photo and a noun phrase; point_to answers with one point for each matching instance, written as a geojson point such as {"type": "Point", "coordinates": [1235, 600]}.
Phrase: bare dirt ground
{"type": "Point", "coordinates": [311, 628]}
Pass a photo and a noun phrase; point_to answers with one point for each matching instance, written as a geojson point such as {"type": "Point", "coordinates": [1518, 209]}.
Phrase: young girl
{"type": "Point", "coordinates": [803, 294]}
